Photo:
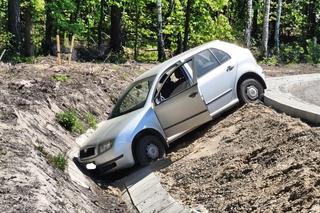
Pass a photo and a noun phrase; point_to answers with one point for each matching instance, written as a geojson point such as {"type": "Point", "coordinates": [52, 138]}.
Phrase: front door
{"type": "Point", "coordinates": [216, 73]}
{"type": "Point", "coordinates": [178, 104]}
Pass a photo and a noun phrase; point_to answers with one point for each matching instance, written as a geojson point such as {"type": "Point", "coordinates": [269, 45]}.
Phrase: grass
{"type": "Point", "coordinates": [70, 121]}
{"type": "Point", "coordinates": [60, 77]}
{"type": "Point", "coordinates": [58, 161]}
{"type": "Point", "coordinates": [91, 120]}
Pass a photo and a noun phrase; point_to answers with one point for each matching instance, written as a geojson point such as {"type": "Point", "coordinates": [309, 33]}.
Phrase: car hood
{"type": "Point", "coordinates": [110, 129]}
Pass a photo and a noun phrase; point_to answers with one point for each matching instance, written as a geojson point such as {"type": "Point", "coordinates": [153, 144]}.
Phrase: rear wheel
{"type": "Point", "coordinates": [149, 148]}
{"type": "Point", "coordinates": [251, 91]}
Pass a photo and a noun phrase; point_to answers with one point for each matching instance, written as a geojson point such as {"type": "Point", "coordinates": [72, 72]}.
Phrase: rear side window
{"type": "Point", "coordinates": [204, 62]}
{"type": "Point", "coordinates": [221, 55]}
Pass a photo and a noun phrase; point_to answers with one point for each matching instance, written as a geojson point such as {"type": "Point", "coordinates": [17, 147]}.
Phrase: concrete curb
{"type": "Point", "coordinates": [144, 190]}
{"type": "Point", "coordinates": [279, 97]}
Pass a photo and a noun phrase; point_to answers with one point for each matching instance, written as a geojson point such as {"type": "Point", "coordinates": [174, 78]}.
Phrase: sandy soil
{"type": "Point", "coordinates": [261, 161]}
{"type": "Point", "coordinates": [29, 102]}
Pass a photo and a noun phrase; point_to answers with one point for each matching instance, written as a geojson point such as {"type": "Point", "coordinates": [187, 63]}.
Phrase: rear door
{"type": "Point", "coordinates": [216, 73]}
{"type": "Point", "coordinates": [178, 104]}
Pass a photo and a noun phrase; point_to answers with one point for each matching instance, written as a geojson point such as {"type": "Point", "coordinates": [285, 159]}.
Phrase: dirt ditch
{"type": "Point", "coordinates": [30, 97]}
{"type": "Point", "coordinates": [254, 160]}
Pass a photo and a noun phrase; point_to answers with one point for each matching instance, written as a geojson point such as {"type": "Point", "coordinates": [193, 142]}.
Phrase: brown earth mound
{"type": "Point", "coordinates": [263, 161]}
{"type": "Point", "coordinates": [29, 133]}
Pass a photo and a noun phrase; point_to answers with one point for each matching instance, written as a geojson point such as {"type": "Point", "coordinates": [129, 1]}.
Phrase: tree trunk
{"type": "Point", "coordinates": [115, 32]}
{"type": "Point", "coordinates": [101, 18]}
{"type": "Point", "coordinates": [136, 26]}
{"type": "Point", "coordinates": [265, 34]}
{"type": "Point", "coordinates": [14, 23]}
{"type": "Point", "coordinates": [277, 28]}
{"type": "Point", "coordinates": [28, 45]}
{"type": "Point", "coordinates": [312, 19]}
{"type": "Point", "coordinates": [187, 25]}
{"type": "Point", "coordinates": [179, 44]}
{"type": "Point", "coordinates": [249, 23]}
{"type": "Point", "coordinates": [46, 46]}
{"type": "Point", "coordinates": [161, 52]}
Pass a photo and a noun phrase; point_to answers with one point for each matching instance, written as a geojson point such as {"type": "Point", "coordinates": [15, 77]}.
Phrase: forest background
{"type": "Point", "coordinates": [282, 31]}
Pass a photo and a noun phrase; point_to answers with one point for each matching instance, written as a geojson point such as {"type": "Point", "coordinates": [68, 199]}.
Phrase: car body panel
{"type": "Point", "coordinates": [217, 85]}
{"type": "Point", "coordinates": [182, 119]}
{"type": "Point", "coordinates": [217, 92]}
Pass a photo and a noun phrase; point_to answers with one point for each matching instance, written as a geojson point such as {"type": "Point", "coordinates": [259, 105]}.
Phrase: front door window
{"type": "Point", "coordinates": [176, 83]}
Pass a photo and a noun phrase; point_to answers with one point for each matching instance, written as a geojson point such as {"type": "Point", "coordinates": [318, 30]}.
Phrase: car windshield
{"type": "Point", "coordinates": [133, 98]}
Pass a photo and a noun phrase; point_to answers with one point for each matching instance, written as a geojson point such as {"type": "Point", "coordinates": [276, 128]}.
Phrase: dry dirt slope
{"type": "Point", "coordinates": [265, 161]}
{"type": "Point", "coordinates": [29, 101]}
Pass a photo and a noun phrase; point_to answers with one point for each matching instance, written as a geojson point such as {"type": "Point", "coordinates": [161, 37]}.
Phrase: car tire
{"type": "Point", "coordinates": [251, 91]}
{"type": "Point", "coordinates": [149, 148]}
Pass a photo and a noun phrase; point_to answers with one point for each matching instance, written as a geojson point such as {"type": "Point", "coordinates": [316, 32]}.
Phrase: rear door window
{"type": "Point", "coordinates": [204, 62]}
{"type": "Point", "coordinates": [221, 55]}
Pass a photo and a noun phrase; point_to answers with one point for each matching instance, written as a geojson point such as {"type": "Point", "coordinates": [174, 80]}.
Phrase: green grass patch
{"type": "Point", "coordinates": [59, 161]}
{"type": "Point", "coordinates": [70, 121]}
{"type": "Point", "coordinates": [91, 120]}
{"type": "Point", "coordinates": [60, 77]}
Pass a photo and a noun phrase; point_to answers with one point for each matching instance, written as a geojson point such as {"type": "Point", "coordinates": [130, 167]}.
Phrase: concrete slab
{"type": "Point", "coordinates": [280, 96]}
{"type": "Point", "coordinates": [147, 194]}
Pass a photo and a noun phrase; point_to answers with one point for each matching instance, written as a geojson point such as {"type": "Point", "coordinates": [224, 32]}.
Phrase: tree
{"type": "Point", "coordinates": [161, 52]}
{"type": "Point", "coordinates": [187, 25]}
{"type": "Point", "coordinates": [115, 44]}
{"type": "Point", "coordinates": [101, 18]}
{"type": "Point", "coordinates": [265, 34]}
{"type": "Point", "coordinates": [14, 25]}
{"type": "Point", "coordinates": [249, 23]}
{"type": "Point", "coordinates": [28, 46]}
{"type": "Point", "coordinates": [277, 28]}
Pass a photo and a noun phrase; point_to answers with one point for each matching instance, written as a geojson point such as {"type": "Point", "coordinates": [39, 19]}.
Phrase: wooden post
{"type": "Point", "coordinates": [71, 49]}
{"type": "Point", "coordinates": [58, 49]}
{"type": "Point", "coordinates": [2, 54]}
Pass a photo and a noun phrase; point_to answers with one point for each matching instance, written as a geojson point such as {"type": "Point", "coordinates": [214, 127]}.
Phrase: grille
{"type": "Point", "coordinates": [87, 152]}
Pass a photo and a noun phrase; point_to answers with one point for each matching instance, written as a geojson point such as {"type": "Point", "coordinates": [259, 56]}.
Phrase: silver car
{"type": "Point", "coordinates": [169, 101]}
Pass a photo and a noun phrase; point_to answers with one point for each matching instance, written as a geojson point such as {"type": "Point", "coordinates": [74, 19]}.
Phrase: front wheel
{"type": "Point", "coordinates": [149, 148]}
{"type": "Point", "coordinates": [251, 91]}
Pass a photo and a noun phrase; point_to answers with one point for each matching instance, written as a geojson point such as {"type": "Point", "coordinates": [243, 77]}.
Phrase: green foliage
{"type": "Point", "coordinates": [60, 77]}
{"type": "Point", "coordinates": [209, 20]}
{"type": "Point", "coordinates": [91, 120]}
{"type": "Point", "coordinates": [116, 58]}
{"type": "Point", "coordinates": [59, 161]}
{"type": "Point", "coordinates": [313, 52]}
{"type": "Point", "coordinates": [62, 10]}
{"type": "Point", "coordinates": [70, 121]}
{"type": "Point", "coordinates": [273, 60]}
{"type": "Point", "coordinates": [292, 53]}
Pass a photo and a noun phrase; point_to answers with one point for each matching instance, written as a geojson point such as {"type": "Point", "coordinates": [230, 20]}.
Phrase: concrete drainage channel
{"type": "Point", "coordinates": [144, 190]}
{"type": "Point", "coordinates": [280, 95]}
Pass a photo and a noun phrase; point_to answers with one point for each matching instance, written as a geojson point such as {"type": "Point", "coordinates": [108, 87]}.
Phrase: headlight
{"type": "Point", "coordinates": [105, 146]}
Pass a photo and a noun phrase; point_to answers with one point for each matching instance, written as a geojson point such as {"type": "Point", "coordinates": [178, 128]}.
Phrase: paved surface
{"type": "Point", "coordinates": [297, 96]}
{"type": "Point", "coordinates": [309, 92]}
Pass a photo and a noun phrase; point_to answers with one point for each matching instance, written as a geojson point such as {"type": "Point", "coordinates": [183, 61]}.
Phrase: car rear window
{"type": "Point", "coordinates": [221, 55]}
{"type": "Point", "coordinates": [204, 62]}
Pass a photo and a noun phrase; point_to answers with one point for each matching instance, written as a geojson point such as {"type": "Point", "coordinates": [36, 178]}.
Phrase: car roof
{"type": "Point", "coordinates": [225, 46]}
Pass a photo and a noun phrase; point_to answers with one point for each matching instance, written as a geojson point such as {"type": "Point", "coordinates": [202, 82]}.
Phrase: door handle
{"type": "Point", "coordinates": [192, 95]}
{"type": "Point", "coordinates": [229, 68]}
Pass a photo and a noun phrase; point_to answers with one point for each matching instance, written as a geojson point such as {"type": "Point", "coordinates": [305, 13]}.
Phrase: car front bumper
{"type": "Point", "coordinates": [114, 159]}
